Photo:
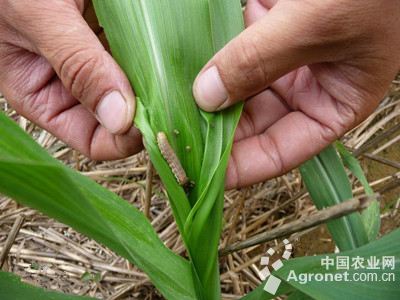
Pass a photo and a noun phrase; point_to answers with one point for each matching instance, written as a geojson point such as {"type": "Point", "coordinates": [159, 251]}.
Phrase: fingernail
{"type": "Point", "coordinates": [209, 90]}
{"type": "Point", "coordinates": [112, 112]}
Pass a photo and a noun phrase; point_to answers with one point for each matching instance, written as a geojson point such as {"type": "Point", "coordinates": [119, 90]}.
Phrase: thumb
{"type": "Point", "coordinates": [264, 52]}
{"type": "Point", "coordinates": [58, 32]}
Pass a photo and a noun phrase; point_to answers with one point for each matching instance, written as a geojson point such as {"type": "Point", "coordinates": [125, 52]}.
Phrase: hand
{"type": "Point", "coordinates": [311, 70]}
{"type": "Point", "coordinates": [55, 72]}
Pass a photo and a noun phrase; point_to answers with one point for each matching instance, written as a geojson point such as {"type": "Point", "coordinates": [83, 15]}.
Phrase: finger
{"type": "Point", "coordinates": [88, 72]}
{"type": "Point", "coordinates": [282, 147]}
{"type": "Point", "coordinates": [264, 52]}
{"type": "Point", "coordinates": [78, 128]}
{"type": "Point", "coordinates": [268, 3]}
{"type": "Point", "coordinates": [256, 10]}
{"type": "Point", "coordinates": [28, 83]}
{"type": "Point", "coordinates": [22, 73]}
{"type": "Point", "coordinates": [259, 113]}
{"type": "Point", "coordinates": [302, 91]}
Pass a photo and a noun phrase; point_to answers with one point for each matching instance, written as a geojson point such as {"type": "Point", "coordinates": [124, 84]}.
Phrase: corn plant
{"type": "Point", "coordinates": [163, 37]}
{"type": "Point", "coordinates": [162, 45]}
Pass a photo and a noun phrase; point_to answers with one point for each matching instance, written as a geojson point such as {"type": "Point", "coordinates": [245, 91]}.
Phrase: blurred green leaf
{"type": "Point", "coordinates": [297, 295]}
{"type": "Point", "coordinates": [35, 266]}
{"type": "Point", "coordinates": [12, 288]}
{"type": "Point", "coordinates": [260, 294]}
{"type": "Point", "coordinates": [86, 277]}
{"type": "Point", "coordinates": [388, 246]}
{"type": "Point", "coordinates": [371, 215]}
{"type": "Point", "coordinates": [327, 182]}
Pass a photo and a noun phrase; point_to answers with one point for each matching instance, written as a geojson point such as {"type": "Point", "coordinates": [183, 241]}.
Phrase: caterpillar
{"type": "Point", "coordinates": [172, 159]}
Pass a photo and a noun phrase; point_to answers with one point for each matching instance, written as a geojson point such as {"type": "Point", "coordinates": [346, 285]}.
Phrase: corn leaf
{"type": "Point", "coordinates": [381, 288]}
{"type": "Point", "coordinates": [371, 215]}
{"type": "Point", "coordinates": [33, 178]}
{"type": "Point", "coordinates": [260, 294]}
{"type": "Point", "coordinates": [297, 295]}
{"type": "Point", "coordinates": [12, 288]}
{"type": "Point", "coordinates": [161, 46]}
{"type": "Point", "coordinates": [388, 246]}
{"type": "Point", "coordinates": [328, 184]}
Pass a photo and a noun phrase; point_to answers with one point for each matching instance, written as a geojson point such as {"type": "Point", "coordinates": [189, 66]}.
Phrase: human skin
{"type": "Point", "coordinates": [310, 70]}
{"type": "Point", "coordinates": [55, 71]}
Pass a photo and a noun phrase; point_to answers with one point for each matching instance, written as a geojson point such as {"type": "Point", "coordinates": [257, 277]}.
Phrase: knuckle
{"type": "Point", "coordinates": [322, 132]}
{"type": "Point", "coordinates": [15, 8]}
{"type": "Point", "coordinates": [126, 148]}
{"type": "Point", "coordinates": [332, 22]}
{"type": "Point", "coordinates": [235, 178]}
{"type": "Point", "coordinates": [271, 152]}
{"type": "Point", "coordinates": [36, 108]}
{"type": "Point", "coordinates": [327, 134]}
{"type": "Point", "coordinates": [104, 146]}
{"type": "Point", "coordinates": [348, 117]}
{"type": "Point", "coordinates": [253, 59]}
{"type": "Point", "coordinates": [26, 8]}
{"type": "Point", "coordinates": [242, 67]}
{"type": "Point", "coordinates": [246, 126]}
{"type": "Point", "coordinates": [21, 13]}
{"type": "Point", "coordinates": [81, 71]}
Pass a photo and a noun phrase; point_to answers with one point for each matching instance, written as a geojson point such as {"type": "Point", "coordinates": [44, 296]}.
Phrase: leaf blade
{"type": "Point", "coordinates": [371, 215]}
{"type": "Point", "coordinates": [12, 288]}
{"type": "Point", "coordinates": [30, 176]}
{"type": "Point", "coordinates": [328, 184]}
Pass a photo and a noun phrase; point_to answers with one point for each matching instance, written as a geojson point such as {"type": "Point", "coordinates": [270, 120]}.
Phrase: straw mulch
{"type": "Point", "coordinates": [49, 254]}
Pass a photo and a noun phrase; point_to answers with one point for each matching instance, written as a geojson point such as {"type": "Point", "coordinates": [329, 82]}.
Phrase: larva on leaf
{"type": "Point", "coordinates": [172, 159]}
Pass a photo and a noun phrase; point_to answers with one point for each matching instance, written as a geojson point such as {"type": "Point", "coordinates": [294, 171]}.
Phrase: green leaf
{"type": "Point", "coordinates": [11, 288]}
{"type": "Point", "coordinates": [328, 184]}
{"type": "Point", "coordinates": [371, 215]}
{"type": "Point", "coordinates": [86, 277]}
{"type": "Point", "coordinates": [388, 245]}
{"type": "Point", "coordinates": [299, 268]}
{"type": "Point", "coordinates": [260, 294]}
{"type": "Point", "coordinates": [162, 46]}
{"type": "Point", "coordinates": [35, 266]}
{"type": "Point", "coordinates": [297, 295]}
{"type": "Point", "coordinates": [33, 178]}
